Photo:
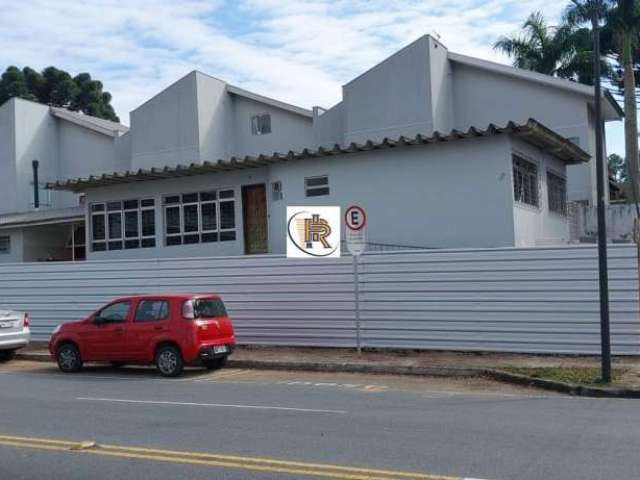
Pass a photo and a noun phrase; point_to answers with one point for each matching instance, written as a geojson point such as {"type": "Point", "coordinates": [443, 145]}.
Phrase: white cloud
{"type": "Point", "coordinates": [299, 51]}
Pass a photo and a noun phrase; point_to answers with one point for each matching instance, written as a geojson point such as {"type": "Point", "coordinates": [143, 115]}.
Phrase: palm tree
{"type": "Point", "coordinates": [535, 49]}
{"type": "Point", "coordinates": [623, 28]}
{"type": "Point", "coordinates": [563, 51]}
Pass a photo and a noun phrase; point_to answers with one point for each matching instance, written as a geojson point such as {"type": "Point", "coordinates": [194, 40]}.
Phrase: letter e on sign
{"type": "Point", "coordinates": [355, 220]}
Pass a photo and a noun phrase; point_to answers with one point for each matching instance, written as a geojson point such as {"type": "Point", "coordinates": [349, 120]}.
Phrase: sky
{"type": "Point", "coordinates": [299, 51]}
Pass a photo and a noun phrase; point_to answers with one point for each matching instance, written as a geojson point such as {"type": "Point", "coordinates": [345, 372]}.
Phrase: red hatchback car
{"type": "Point", "coordinates": [168, 330]}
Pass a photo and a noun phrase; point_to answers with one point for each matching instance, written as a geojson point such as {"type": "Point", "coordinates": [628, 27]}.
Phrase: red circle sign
{"type": "Point", "coordinates": [355, 218]}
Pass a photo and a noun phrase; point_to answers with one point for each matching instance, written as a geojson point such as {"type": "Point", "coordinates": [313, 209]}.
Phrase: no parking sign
{"type": "Point", "coordinates": [355, 220]}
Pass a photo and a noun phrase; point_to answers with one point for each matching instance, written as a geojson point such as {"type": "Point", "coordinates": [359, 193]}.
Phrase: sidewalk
{"type": "Point", "coordinates": [543, 371]}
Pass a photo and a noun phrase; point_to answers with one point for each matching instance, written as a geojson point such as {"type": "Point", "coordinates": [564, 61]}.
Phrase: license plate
{"type": "Point", "coordinates": [7, 324]}
{"type": "Point", "coordinates": [220, 349]}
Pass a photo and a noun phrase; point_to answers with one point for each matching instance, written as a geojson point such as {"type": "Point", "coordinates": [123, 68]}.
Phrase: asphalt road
{"type": "Point", "coordinates": [313, 425]}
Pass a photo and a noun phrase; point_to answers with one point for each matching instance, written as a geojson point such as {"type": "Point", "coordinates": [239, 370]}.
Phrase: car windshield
{"type": "Point", "coordinates": [209, 308]}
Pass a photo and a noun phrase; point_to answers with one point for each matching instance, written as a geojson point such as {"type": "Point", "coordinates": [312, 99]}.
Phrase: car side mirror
{"type": "Point", "coordinates": [100, 320]}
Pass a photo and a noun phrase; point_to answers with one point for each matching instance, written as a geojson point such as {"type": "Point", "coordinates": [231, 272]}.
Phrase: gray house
{"type": "Point", "coordinates": [440, 148]}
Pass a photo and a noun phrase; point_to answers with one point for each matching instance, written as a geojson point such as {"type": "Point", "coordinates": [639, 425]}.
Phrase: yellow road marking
{"type": "Point", "coordinates": [220, 460]}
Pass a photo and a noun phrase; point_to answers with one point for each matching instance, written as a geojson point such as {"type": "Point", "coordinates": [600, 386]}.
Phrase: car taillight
{"type": "Point", "coordinates": [27, 320]}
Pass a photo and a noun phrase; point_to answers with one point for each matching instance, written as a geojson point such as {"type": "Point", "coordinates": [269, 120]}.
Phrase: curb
{"type": "Point", "coordinates": [445, 372]}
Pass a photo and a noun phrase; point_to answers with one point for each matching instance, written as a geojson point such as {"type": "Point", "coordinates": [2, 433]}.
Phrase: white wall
{"type": "Point", "coordinates": [450, 195]}
{"type": "Point", "coordinates": [157, 189]}
{"type": "Point", "coordinates": [164, 130]}
{"type": "Point", "coordinates": [8, 185]}
{"type": "Point", "coordinates": [289, 131]}
{"type": "Point", "coordinates": [329, 127]}
{"type": "Point", "coordinates": [392, 98]}
{"type": "Point", "coordinates": [482, 97]}
{"type": "Point", "coordinates": [536, 226]}
{"type": "Point", "coordinates": [447, 195]}
{"type": "Point", "coordinates": [16, 252]}
{"type": "Point", "coordinates": [36, 139]}
{"type": "Point", "coordinates": [214, 118]}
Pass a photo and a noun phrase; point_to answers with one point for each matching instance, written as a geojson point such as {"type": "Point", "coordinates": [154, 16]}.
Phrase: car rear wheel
{"type": "Point", "coordinates": [68, 357]}
{"type": "Point", "coordinates": [6, 355]}
{"type": "Point", "coordinates": [169, 361]}
{"type": "Point", "coordinates": [215, 363]}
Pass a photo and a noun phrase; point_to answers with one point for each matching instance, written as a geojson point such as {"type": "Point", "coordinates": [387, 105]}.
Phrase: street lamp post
{"type": "Point", "coordinates": [605, 333]}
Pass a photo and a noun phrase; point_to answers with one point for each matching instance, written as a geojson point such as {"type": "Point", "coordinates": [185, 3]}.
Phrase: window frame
{"type": "Point", "coordinates": [315, 188]}
{"type": "Point", "coordinates": [201, 231]}
{"type": "Point", "coordinates": [161, 319]}
{"type": "Point", "coordinates": [124, 320]}
{"type": "Point", "coordinates": [257, 124]}
{"type": "Point", "coordinates": [104, 212]}
{"type": "Point", "coordinates": [564, 211]}
{"type": "Point", "coordinates": [520, 158]}
{"type": "Point", "coordinates": [6, 251]}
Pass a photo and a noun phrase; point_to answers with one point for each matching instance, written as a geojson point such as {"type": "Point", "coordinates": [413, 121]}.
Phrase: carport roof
{"type": "Point", "coordinates": [41, 217]}
{"type": "Point", "coordinates": [531, 132]}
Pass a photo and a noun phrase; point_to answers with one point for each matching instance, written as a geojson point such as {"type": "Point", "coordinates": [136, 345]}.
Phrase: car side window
{"type": "Point", "coordinates": [152, 310]}
{"type": "Point", "coordinates": [116, 312]}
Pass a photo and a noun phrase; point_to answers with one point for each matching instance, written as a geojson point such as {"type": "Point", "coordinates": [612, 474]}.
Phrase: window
{"type": "Point", "coordinates": [200, 217]}
{"type": "Point", "coordinates": [5, 245]}
{"type": "Point", "coordinates": [152, 310]}
{"type": "Point", "coordinates": [316, 186]}
{"type": "Point", "coordinates": [116, 312]}
{"type": "Point", "coordinates": [203, 308]}
{"type": "Point", "coordinates": [525, 181]}
{"type": "Point", "coordinates": [261, 124]}
{"type": "Point", "coordinates": [557, 193]}
{"type": "Point", "coordinates": [122, 225]}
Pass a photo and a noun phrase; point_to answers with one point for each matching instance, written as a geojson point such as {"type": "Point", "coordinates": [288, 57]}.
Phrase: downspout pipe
{"type": "Point", "coordinates": [36, 190]}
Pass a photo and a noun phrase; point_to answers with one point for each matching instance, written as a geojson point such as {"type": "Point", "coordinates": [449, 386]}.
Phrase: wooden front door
{"type": "Point", "coordinates": [254, 208]}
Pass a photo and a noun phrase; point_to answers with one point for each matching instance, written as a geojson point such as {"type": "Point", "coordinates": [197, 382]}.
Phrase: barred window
{"type": "Point", "coordinates": [557, 193]}
{"type": "Point", "coordinates": [525, 181]}
{"type": "Point", "coordinates": [122, 225]}
{"type": "Point", "coordinates": [199, 217]}
{"type": "Point", "coordinates": [5, 245]}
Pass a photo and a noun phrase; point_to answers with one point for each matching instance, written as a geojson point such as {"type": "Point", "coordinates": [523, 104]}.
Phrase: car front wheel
{"type": "Point", "coordinates": [169, 361]}
{"type": "Point", "coordinates": [68, 357]}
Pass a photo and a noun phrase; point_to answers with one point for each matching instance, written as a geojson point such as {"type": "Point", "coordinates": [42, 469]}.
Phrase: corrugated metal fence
{"type": "Point", "coordinates": [524, 300]}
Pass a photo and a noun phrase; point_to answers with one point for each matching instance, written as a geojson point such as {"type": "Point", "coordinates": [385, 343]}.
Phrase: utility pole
{"type": "Point", "coordinates": [593, 11]}
{"type": "Point", "coordinates": [605, 333]}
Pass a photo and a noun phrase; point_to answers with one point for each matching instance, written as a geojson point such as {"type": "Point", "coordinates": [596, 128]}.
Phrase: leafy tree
{"type": "Point", "coordinates": [617, 168]}
{"type": "Point", "coordinates": [58, 88]}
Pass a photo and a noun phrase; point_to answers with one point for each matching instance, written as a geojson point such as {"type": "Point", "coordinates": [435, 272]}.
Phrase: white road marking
{"type": "Point", "coordinates": [221, 405]}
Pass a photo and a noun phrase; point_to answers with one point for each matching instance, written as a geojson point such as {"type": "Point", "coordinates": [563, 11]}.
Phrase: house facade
{"type": "Point", "coordinates": [198, 173]}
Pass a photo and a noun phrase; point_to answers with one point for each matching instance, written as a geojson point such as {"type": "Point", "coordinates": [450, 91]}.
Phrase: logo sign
{"type": "Point", "coordinates": [313, 232]}
{"type": "Point", "coordinates": [355, 220]}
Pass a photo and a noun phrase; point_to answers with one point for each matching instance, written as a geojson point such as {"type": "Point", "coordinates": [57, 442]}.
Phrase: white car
{"type": "Point", "coordinates": [14, 332]}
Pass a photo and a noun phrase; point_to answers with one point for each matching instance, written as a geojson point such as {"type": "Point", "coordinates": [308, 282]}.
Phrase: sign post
{"type": "Point", "coordinates": [355, 220]}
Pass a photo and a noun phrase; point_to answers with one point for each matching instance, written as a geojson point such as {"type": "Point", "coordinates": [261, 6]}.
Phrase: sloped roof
{"type": "Point", "coordinates": [41, 217]}
{"type": "Point", "coordinates": [99, 125]}
{"type": "Point", "coordinates": [269, 101]}
{"type": "Point", "coordinates": [611, 110]}
{"type": "Point", "coordinates": [531, 132]}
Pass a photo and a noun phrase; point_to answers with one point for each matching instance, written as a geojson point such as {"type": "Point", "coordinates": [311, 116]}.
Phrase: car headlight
{"type": "Point", "coordinates": [56, 330]}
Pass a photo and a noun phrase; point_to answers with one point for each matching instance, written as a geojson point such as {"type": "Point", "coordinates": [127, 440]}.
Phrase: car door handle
{"type": "Point", "coordinates": [119, 329]}
{"type": "Point", "coordinates": [158, 327]}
